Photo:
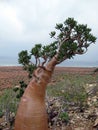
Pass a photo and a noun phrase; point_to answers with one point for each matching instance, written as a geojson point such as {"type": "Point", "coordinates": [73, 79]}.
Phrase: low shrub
{"type": "Point", "coordinates": [8, 105]}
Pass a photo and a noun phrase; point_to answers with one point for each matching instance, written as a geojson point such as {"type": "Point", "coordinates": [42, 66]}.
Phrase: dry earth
{"type": "Point", "coordinates": [10, 76]}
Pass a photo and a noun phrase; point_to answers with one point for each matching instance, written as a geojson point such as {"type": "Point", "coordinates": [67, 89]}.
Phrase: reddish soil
{"type": "Point", "coordinates": [10, 76]}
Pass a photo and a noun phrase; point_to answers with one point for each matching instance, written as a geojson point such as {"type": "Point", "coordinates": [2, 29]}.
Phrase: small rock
{"type": "Point", "coordinates": [62, 91]}
{"type": "Point", "coordinates": [94, 99]}
{"type": "Point", "coordinates": [96, 123]}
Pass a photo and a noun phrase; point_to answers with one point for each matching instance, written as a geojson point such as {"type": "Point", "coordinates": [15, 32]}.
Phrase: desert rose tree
{"type": "Point", "coordinates": [70, 39]}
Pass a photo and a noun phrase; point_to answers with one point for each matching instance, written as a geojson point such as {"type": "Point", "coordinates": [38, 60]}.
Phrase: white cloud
{"type": "Point", "coordinates": [10, 26]}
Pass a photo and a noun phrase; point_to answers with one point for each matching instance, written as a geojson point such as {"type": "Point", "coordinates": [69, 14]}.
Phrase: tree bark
{"type": "Point", "coordinates": [31, 114]}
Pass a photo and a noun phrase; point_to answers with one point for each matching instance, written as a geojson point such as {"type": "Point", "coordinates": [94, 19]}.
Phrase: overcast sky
{"type": "Point", "coordinates": [24, 23]}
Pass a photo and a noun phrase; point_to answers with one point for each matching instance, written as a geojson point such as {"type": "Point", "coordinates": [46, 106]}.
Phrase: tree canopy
{"type": "Point", "coordinates": [70, 38]}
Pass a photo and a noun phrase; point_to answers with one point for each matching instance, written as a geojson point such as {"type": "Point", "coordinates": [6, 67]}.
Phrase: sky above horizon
{"type": "Point", "coordinates": [24, 23]}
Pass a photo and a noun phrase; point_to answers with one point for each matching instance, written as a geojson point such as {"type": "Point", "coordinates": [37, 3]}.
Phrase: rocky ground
{"type": "Point", "coordinates": [62, 114]}
{"type": "Point", "coordinates": [75, 118]}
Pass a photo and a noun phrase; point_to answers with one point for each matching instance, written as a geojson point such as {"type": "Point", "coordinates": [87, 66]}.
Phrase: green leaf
{"type": "Point", "coordinates": [24, 57]}
{"type": "Point", "coordinates": [52, 34]}
{"type": "Point", "coordinates": [70, 22]}
{"type": "Point", "coordinates": [36, 50]}
{"type": "Point", "coordinates": [59, 26]}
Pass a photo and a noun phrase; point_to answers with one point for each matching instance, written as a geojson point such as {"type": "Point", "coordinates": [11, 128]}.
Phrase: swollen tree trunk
{"type": "Point", "coordinates": [31, 114]}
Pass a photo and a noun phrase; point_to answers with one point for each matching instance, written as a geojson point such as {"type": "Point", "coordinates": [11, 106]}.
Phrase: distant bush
{"type": "Point", "coordinates": [96, 70]}
{"type": "Point", "coordinates": [20, 90]}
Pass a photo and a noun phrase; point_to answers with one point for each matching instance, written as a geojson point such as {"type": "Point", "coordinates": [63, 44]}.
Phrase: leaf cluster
{"type": "Point", "coordinates": [41, 54]}
{"type": "Point", "coordinates": [73, 38]}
